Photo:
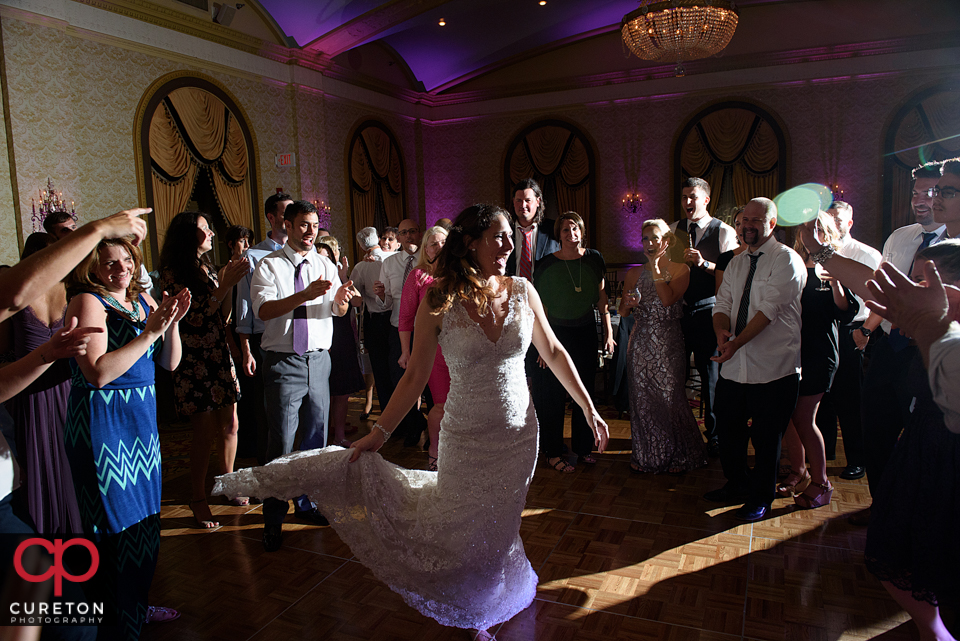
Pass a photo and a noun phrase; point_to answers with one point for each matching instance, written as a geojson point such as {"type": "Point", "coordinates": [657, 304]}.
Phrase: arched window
{"type": "Point", "coordinates": [193, 137]}
{"type": "Point", "coordinates": [738, 148]}
{"type": "Point", "coordinates": [561, 159]}
{"type": "Point", "coordinates": [376, 177]}
{"type": "Point", "coordinates": [924, 129]}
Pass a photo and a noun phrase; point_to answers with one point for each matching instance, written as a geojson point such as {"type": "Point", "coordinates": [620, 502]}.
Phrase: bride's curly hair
{"type": "Point", "coordinates": [457, 274]}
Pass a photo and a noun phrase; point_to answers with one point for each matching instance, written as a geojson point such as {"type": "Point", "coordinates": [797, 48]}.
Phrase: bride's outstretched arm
{"type": "Point", "coordinates": [410, 387]}
{"type": "Point", "coordinates": [557, 359]}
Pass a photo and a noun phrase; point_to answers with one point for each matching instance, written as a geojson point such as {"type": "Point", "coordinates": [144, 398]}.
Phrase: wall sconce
{"type": "Point", "coordinates": [632, 205]}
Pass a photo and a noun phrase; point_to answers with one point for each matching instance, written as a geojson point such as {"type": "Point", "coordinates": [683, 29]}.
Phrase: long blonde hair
{"type": "Point", "coordinates": [457, 274]}
{"type": "Point", "coordinates": [83, 278]}
{"type": "Point", "coordinates": [830, 235]}
{"type": "Point", "coordinates": [423, 261]}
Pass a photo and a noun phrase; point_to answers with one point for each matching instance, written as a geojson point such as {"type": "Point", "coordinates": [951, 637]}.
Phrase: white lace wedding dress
{"type": "Point", "coordinates": [448, 541]}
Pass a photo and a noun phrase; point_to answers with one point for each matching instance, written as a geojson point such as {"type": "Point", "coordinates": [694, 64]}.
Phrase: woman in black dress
{"type": "Point", "coordinates": [826, 305]}
{"type": "Point", "coordinates": [205, 385]}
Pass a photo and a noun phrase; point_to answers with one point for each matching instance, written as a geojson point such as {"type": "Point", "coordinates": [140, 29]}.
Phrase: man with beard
{"type": "Point", "coordinates": [296, 292]}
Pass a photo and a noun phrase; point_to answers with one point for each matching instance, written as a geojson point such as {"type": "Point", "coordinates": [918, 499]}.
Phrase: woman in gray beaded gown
{"type": "Point", "coordinates": [448, 541]}
{"type": "Point", "coordinates": [664, 433]}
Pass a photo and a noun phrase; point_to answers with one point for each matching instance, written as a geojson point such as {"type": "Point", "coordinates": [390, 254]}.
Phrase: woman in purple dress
{"type": "Point", "coordinates": [40, 410]}
{"type": "Point", "coordinates": [664, 433]}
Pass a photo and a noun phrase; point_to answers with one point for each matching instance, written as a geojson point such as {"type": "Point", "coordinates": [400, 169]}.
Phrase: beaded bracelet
{"type": "Point", "coordinates": [667, 277]}
{"type": "Point", "coordinates": [823, 255]}
{"type": "Point", "coordinates": [386, 434]}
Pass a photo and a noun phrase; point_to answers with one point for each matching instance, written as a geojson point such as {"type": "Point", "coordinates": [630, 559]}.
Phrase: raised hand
{"type": "Point", "coordinates": [316, 289]}
{"type": "Point", "coordinates": [124, 223]}
{"type": "Point", "coordinates": [907, 304]}
{"type": "Point", "coordinates": [183, 303]}
{"type": "Point", "coordinates": [68, 342]}
{"type": "Point", "coordinates": [163, 316]}
{"type": "Point", "coordinates": [346, 293]}
{"type": "Point", "coordinates": [809, 237]}
{"type": "Point", "coordinates": [234, 272]}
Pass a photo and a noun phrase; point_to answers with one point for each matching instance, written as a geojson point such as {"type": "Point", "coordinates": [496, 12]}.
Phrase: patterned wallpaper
{"type": "Point", "coordinates": [73, 102]}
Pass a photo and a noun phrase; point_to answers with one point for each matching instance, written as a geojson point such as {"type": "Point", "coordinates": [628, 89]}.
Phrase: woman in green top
{"type": "Point", "coordinates": [570, 283]}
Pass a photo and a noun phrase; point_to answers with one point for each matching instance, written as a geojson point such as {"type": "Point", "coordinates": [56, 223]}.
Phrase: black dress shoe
{"type": "Point", "coordinates": [752, 512]}
{"type": "Point", "coordinates": [726, 494]}
{"type": "Point", "coordinates": [852, 473]}
{"type": "Point", "coordinates": [713, 449]}
{"type": "Point", "coordinates": [860, 519]}
{"type": "Point", "coordinates": [272, 537]}
{"type": "Point", "coordinates": [312, 516]}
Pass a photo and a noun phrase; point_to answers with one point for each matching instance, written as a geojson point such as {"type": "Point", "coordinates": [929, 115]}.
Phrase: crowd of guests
{"type": "Point", "coordinates": [270, 346]}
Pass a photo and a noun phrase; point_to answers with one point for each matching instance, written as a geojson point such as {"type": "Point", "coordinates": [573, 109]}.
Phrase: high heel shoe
{"type": "Point", "coordinates": [204, 510]}
{"type": "Point", "coordinates": [792, 488]}
{"type": "Point", "coordinates": [823, 497]}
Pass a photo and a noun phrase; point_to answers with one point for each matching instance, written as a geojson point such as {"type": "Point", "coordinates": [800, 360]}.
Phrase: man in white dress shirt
{"type": "Point", "coordinates": [250, 408]}
{"type": "Point", "coordinates": [393, 274]}
{"type": "Point", "coordinates": [376, 323]}
{"type": "Point", "coordinates": [886, 400]}
{"type": "Point", "coordinates": [702, 238]}
{"type": "Point", "coordinates": [757, 323]}
{"type": "Point", "coordinates": [842, 401]}
{"type": "Point", "coordinates": [296, 292]}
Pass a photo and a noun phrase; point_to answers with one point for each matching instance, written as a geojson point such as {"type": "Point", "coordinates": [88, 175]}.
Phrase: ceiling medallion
{"type": "Point", "coordinates": [680, 29]}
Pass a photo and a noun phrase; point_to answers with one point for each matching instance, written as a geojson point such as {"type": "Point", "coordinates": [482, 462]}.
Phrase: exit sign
{"type": "Point", "coordinates": [286, 160]}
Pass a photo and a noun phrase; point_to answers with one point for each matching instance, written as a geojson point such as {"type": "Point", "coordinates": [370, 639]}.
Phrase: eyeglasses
{"type": "Point", "coordinates": [946, 193]}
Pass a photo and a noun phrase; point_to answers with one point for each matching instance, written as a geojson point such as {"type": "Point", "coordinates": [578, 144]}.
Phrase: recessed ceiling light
{"type": "Point", "coordinates": [442, 22]}
{"type": "Point", "coordinates": [543, 3]}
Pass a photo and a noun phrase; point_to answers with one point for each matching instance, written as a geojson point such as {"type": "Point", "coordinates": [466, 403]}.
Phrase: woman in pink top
{"type": "Point", "coordinates": [414, 289]}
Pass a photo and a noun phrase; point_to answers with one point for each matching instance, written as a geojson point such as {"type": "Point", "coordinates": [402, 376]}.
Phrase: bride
{"type": "Point", "coordinates": [448, 541]}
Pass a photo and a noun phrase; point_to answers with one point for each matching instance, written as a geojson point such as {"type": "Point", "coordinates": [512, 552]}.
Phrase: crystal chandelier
{"type": "Point", "coordinates": [51, 201]}
{"type": "Point", "coordinates": [681, 29]}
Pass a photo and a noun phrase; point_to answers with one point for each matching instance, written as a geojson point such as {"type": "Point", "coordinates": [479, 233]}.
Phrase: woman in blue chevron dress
{"type": "Point", "coordinates": [111, 430]}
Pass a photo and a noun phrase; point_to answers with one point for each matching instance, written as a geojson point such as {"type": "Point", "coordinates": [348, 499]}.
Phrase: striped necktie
{"type": "Point", "coordinates": [525, 269]}
{"type": "Point", "coordinates": [745, 298]}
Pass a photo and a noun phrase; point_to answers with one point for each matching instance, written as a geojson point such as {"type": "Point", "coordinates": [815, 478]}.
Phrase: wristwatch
{"type": "Point", "coordinates": [866, 332]}
{"type": "Point", "coordinates": [706, 265]}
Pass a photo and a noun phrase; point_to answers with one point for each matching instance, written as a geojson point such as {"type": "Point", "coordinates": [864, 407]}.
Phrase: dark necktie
{"type": "Point", "coordinates": [745, 298]}
{"type": "Point", "coordinates": [899, 340]}
{"type": "Point", "coordinates": [525, 268]}
{"type": "Point", "coordinates": [299, 314]}
{"type": "Point", "coordinates": [407, 269]}
{"type": "Point", "coordinates": [693, 237]}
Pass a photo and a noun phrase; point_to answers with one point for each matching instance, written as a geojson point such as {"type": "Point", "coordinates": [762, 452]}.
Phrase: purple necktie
{"type": "Point", "coordinates": [299, 314]}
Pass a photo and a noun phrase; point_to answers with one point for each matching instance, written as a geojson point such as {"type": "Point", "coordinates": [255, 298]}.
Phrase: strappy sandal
{"type": "Point", "coordinates": [561, 465]}
{"type": "Point", "coordinates": [206, 524]}
{"type": "Point", "coordinates": [589, 459]}
{"type": "Point", "coordinates": [241, 501]}
{"type": "Point", "coordinates": [431, 463]}
{"type": "Point", "coordinates": [823, 497]}
{"type": "Point", "coordinates": [799, 484]}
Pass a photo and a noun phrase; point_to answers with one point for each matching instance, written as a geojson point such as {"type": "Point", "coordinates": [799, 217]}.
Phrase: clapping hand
{"type": "Point", "coordinates": [234, 272]}
{"type": "Point", "coordinates": [346, 293]}
{"type": "Point", "coordinates": [163, 316]}
{"type": "Point", "coordinates": [68, 342]}
{"type": "Point", "coordinates": [909, 305]}
{"type": "Point", "coordinates": [183, 303]}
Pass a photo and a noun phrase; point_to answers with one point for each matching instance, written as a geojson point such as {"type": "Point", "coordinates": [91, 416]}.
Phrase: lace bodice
{"type": "Point", "coordinates": [448, 541]}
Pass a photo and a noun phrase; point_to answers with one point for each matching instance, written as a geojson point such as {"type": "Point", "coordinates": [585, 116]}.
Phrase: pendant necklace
{"type": "Point", "coordinates": [133, 315]}
{"type": "Point", "coordinates": [576, 287]}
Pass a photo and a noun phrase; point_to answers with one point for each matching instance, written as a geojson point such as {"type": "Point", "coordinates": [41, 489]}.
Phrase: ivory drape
{"type": "Point", "coordinates": [555, 156]}
{"type": "Point", "coordinates": [737, 139]}
{"type": "Point", "coordinates": [376, 180]}
{"type": "Point", "coordinates": [192, 130]}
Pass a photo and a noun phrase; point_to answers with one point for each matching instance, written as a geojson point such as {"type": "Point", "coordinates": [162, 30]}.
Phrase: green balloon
{"type": "Point", "coordinates": [797, 206]}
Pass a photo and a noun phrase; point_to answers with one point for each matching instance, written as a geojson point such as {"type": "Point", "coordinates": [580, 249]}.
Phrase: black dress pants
{"type": "Point", "coordinates": [770, 405]}
{"type": "Point", "coordinates": [700, 340]}
{"type": "Point", "coordinates": [550, 397]}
